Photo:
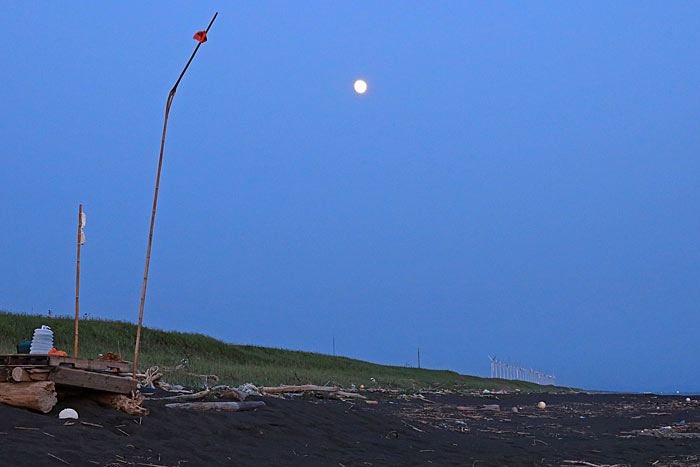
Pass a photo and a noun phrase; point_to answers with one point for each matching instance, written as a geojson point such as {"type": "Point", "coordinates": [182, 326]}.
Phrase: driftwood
{"type": "Point", "coordinates": [37, 395]}
{"type": "Point", "coordinates": [312, 388]}
{"type": "Point", "coordinates": [234, 394]}
{"type": "Point", "coordinates": [20, 375]}
{"type": "Point", "coordinates": [182, 397]}
{"type": "Point", "coordinates": [151, 377]}
{"type": "Point", "coordinates": [218, 406]}
{"type": "Point", "coordinates": [305, 387]}
{"type": "Point", "coordinates": [23, 375]}
{"type": "Point", "coordinates": [121, 402]}
{"type": "Point", "coordinates": [588, 464]}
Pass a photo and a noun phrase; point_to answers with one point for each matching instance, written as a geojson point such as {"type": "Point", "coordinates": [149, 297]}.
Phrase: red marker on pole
{"type": "Point", "coordinates": [201, 36]}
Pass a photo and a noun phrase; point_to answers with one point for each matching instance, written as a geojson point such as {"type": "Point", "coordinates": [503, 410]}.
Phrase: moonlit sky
{"type": "Point", "coordinates": [521, 180]}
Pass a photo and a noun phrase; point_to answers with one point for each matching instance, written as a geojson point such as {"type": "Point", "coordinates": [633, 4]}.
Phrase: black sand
{"type": "Point", "coordinates": [598, 429]}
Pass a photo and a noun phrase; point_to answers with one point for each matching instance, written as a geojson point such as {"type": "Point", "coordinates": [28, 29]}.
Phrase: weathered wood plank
{"type": "Point", "coordinates": [23, 360]}
{"type": "Point", "coordinates": [89, 364]}
{"type": "Point", "coordinates": [59, 360]}
{"type": "Point", "coordinates": [92, 380]}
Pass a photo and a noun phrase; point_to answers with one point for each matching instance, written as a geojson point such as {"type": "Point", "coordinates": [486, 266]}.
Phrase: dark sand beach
{"type": "Point", "coordinates": [601, 429]}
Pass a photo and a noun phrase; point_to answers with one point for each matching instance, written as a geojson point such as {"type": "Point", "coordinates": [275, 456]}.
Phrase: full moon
{"type": "Point", "coordinates": [360, 86]}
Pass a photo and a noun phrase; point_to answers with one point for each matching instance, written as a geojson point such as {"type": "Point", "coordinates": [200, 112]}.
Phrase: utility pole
{"type": "Point", "coordinates": [418, 357]}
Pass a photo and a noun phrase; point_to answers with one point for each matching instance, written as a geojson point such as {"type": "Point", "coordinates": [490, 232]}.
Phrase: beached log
{"type": "Point", "coordinates": [234, 394]}
{"type": "Point", "coordinates": [182, 397]}
{"type": "Point", "coordinates": [303, 388]}
{"type": "Point", "coordinates": [311, 388]}
{"type": "Point", "coordinates": [218, 406]}
{"type": "Point", "coordinates": [36, 395]}
{"type": "Point", "coordinates": [20, 375]}
{"type": "Point", "coordinates": [25, 375]}
{"type": "Point", "coordinates": [120, 402]}
{"type": "Point", "coordinates": [351, 394]}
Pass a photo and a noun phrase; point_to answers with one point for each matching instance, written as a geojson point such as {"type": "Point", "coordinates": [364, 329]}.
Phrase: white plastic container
{"type": "Point", "coordinates": [42, 343]}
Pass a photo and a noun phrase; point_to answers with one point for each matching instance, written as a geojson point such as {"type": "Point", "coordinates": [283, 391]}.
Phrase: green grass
{"type": "Point", "coordinates": [236, 364]}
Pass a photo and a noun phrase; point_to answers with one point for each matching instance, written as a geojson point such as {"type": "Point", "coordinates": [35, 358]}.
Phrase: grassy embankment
{"type": "Point", "coordinates": [235, 364]}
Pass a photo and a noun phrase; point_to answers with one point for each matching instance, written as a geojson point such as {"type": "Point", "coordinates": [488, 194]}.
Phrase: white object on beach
{"type": "Point", "coordinates": [42, 342]}
{"type": "Point", "coordinates": [687, 399]}
{"type": "Point", "coordinates": [68, 413]}
{"type": "Point", "coordinates": [541, 405]}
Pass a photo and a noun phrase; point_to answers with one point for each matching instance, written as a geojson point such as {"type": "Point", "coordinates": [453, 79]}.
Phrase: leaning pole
{"type": "Point", "coordinates": [200, 36]}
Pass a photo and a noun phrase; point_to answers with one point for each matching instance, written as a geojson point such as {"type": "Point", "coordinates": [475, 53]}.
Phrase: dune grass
{"type": "Point", "coordinates": [236, 364]}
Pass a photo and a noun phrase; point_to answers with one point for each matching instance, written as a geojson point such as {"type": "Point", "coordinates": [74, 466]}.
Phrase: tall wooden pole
{"type": "Point", "coordinates": [418, 357]}
{"type": "Point", "coordinates": [155, 198]}
{"type": "Point", "coordinates": [77, 277]}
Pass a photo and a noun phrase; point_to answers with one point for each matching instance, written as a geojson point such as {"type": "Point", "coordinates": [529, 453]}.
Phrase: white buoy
{"type": "Point", "coordinates": [68, 413]}
{"type": "Point", "coordinates": [687, 399]}
{"type": "Point", "coordinates": [541, 405]}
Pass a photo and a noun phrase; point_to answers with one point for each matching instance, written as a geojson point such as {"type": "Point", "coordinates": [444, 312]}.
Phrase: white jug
{"type": "Point", "coordinates": [42, 343]}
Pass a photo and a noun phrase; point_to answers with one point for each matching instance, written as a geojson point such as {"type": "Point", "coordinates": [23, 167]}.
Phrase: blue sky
{"type": "Point", "coordinates": [520, 180]}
